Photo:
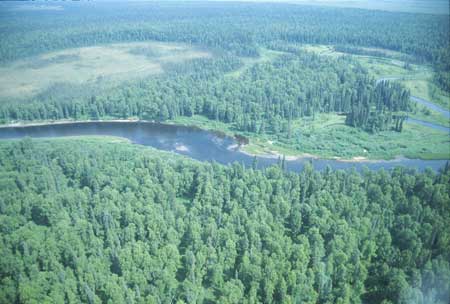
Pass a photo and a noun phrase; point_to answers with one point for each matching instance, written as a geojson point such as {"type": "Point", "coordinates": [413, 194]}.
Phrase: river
{"type": "Point", "coordinates": [426, 103]}
{"type": "Point", "coordinates": [195, 143]}
{"type": "Point", "coordinates": [431, 106]}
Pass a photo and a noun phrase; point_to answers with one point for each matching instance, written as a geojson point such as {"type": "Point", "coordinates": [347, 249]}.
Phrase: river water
{"type": "Point", "coordinates": [196, 143]}
{"type": "Point", "coordinates": [431, 106]}
{"type": "Point", "coordinates": [425, 103]}
{"type": "Point", "coordinates": [429, 124]}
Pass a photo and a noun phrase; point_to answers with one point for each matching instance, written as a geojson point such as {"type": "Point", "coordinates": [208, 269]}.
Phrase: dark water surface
{"type": "Point", "coordinates": [195, 143]}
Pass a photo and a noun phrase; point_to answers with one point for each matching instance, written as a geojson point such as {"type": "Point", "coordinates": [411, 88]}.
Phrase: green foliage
{"type": "Point", "coordinates": [442, 66]}
{"type": "Point", "coordinates": [91, 221]}
{"type": "Point", "coordinates": [238, 28]}
{"type": "Point", "coordinates": [96, 222]}
{"type": "Point", "coordinates": [373, 111]}
{"type": "Point", "coordinates": [265, 98]}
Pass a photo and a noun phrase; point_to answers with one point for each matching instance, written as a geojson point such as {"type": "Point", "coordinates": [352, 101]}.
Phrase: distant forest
{"type": "Point", "coordinates": [239, 28]}
{"type": "Point", "coordinates": [267, 98]}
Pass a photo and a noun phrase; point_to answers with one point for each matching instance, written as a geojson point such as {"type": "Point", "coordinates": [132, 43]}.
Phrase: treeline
{"type": "Point", "coordinates": [266, 98]}
{"type": "Point", "coordinates": [384, 108]}
{"type": "Point", "coordinates": [371, 52]}
{"type": "Point", "coordinates": [240, 27]}
{"type": "Point", "coordinates": [96, 222]}
{"type": "Point", "coordinates": [358, 51]}
{"type": "Point", "coordinates": [442, 70]}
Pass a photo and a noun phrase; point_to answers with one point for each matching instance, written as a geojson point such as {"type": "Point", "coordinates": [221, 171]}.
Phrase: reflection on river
{"type": "Point", "coordinates": [198, 144]}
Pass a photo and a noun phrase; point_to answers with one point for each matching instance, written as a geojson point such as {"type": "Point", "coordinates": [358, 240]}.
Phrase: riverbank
{"type": "Point", "coordinates": [193, 143]}
{"type": "Point", "coordinates": [241, 148]}
{"type": "Point", "coordinates": [303, 156]}
{"type": "Point", "coordinates": [329, 138]}
{"type": "Point", "coordinates": [65, 122]}
{"type": "Point", "coordinates": [326, 137]}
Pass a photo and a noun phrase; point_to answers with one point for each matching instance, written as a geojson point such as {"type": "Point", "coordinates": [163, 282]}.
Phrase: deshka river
{"type": "Point", "coordinates": [196, 143]}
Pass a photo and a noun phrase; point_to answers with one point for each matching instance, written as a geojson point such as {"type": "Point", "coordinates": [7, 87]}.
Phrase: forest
{"type": "Point", "coordinates": [265, 98]}
{"type": "Point", "coordinates": [239, 28]}
{"type": "Point", "coordinates": [103, 220]}
{"type": "Point", "coordinates": [100, 222]}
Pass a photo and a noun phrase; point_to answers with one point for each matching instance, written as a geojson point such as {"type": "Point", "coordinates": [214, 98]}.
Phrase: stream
{"type": "Point", "coordinates": [197, 144]}
{"type": "Point", "coordinates": [428, 104]}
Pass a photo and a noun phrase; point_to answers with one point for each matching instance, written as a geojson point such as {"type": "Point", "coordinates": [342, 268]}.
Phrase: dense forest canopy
{"type": "Point", "coordinates": [104, 222]}
{"type": "Point", "coordinates": [239, 27]}
{"type": "Point", "coordinates": [265, 99]}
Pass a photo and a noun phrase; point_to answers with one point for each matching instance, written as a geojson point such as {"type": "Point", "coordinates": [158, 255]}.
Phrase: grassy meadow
{"type": "Point", "coordinates": [91, 65]}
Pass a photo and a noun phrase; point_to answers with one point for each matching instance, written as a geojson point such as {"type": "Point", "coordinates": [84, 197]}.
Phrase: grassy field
{"type": "Point", "coordinates": [385, 67]}
{"type": "Point", "coordinates": [97, 64]}
{"type": "Point", "coordinates": [328, 50]}
{"type": "Point", "coordinates": [425, 89]}
{"type": "Point", "coordinates": [319, 49]}
{"type": "Point", "coordinates": [327, 136]}
{"type": "Point", "coordinates": [426, 114]}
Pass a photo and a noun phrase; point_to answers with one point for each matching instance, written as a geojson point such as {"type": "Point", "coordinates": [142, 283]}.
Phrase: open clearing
{"type": "Point", "coordinates": [115, 62]}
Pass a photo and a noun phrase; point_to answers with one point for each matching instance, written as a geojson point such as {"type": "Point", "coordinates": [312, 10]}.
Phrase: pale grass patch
{"type": "Point", "coordinates": [113, 62]}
